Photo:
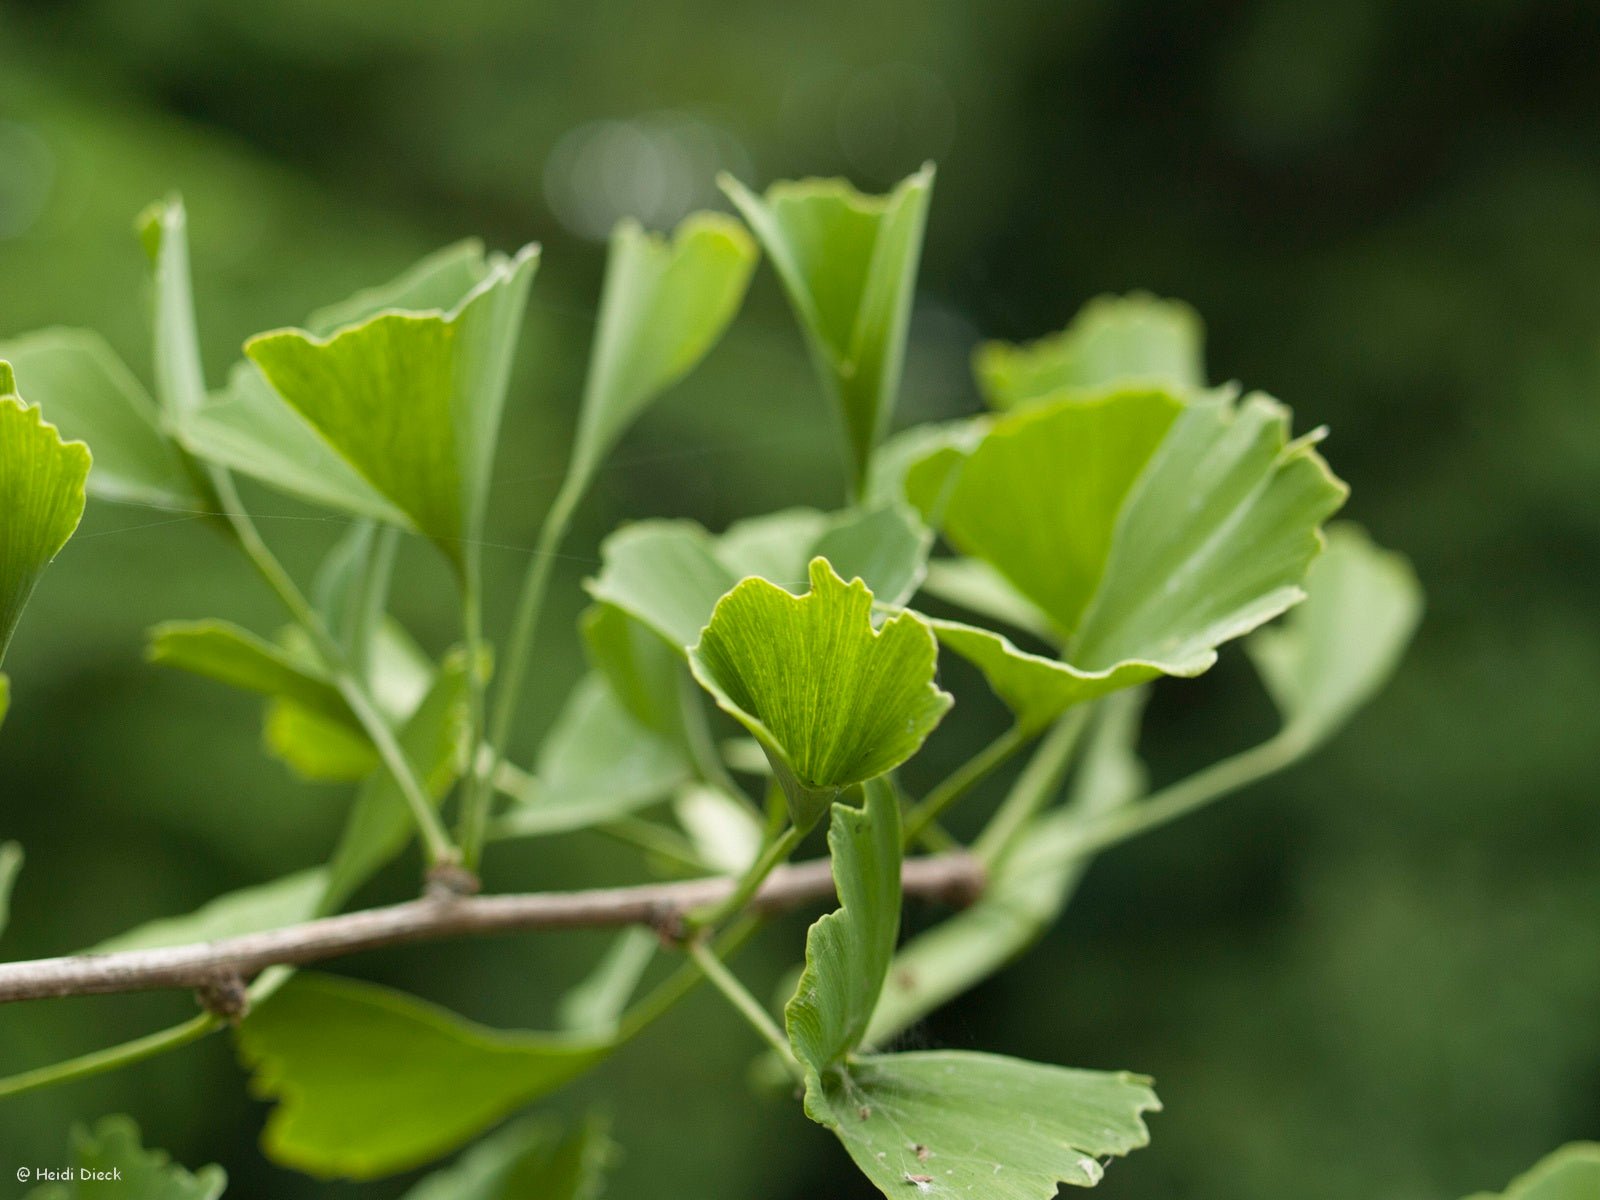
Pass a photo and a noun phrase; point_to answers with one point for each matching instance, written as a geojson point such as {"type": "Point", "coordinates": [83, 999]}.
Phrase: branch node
{"type": "Point", "coordinates": [450, 881]}
{"type": "Point", "coordinates": [667, 922]}
{"type": "Point", "coordinates": [225, 996]}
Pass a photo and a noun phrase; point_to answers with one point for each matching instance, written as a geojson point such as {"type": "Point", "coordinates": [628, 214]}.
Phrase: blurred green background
{"type": "Point", "coordinates": [1378, 976]}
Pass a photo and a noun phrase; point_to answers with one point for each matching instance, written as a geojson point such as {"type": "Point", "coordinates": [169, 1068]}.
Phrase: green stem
{"type": "Point", "coordinates": [661, 998]}
{"type": "Point", "coordinates": [1181, 798]}
{"type": "Point", "coordinates": [477, 801]}
{"type": "Point", "coordinates": [439, 847]}
{"type": "Point", "coordinates": [747, 1005]}
{"type": "Point", "coordinates": [965, 777]}
{"type": "Point", "coordinates": [776, 851]}
{"type": "Point", "coordinates": [1033, 789]}
{"type": "Point", "coordinates": [112, 1059]}
{"type": "Point", "coordinates": [519, 646]}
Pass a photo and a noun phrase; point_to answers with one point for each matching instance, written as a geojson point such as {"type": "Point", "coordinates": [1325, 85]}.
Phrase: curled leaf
{"type": "Point", "coordinates": [849, 265]}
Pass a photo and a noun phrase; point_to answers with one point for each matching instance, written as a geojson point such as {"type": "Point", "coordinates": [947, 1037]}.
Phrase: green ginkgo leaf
{"type": "Point", "coordinates": [832, 700]}
{"type": "Point", "coordinates": [527, 1159]}
{"type": "Point", "coordinates": [110, 1161]}
{"type": "Point", "coordinates": [666, 574]}
{"type": "Point", "coordinates": [180, 378]}
{"type": "Point", "coordinates": [370, 1081]}
{"type": "Point", "coordinates": [42, 480]}
{"type": "Point", "coordinates": [93, 397]}
{"type": "Point", "coordinates": [1113, 340]}
{"type": "Point", "coordinates": [849, 265]}
{"type": "Point", "coordinates": [1146, 532]}
{"type": "Point", "coordinates": [951, 1123]}
{"type": "Point", "coordinates": [1333, 652]}
{"type": "Point", "coordinates": [642, 669]}
{"type": "Point", "coordinates": [849, 950]}
{"type": "Point", "coordinates": [663, 306]}
{"type": "Point", "coordinates": [412, 401]}
{"type": "Point", "coordinates": [954, 1123]}
{"type": "Point", "coordinates": [1570, 1173]}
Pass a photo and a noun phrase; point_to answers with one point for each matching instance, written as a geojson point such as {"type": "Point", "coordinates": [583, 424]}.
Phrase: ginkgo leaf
{"type": "Point", "coordinates": [950, 1123]}
{"type": "Point", "coordinates": [1334, 651]}
{"type": "Point", "coordinates": [726, 832]}
{"type": "Point", "coordinates": [110, 1161]}
{"type": "Point", "coordinates": [849, 265]}
{"type": "Point", "coordinates": [284, 901]}
{"type": "Point", "coordinates": [316, 748]}
{"type": "Point", "coordinates": [597, 764]}
{"type": "Point", "coordinates": [886, 548]}
{"type": "Point", "coordinates": [370, 1081]}
{"type": "Point", "coordinates": [412, 401]}
{"type": "Point", "coordinates": [527, 1159]}
{"type": "Point", "coordinates": [224, 652]}
{"type": "Point", "coordinates": [1113, 340]}
{"type": "Point", "coordinates": [91, 396]}
{"type": "Point", "coordinates": [663, 306]}
{"type": "Point", "coordinates": [42, 482]}
{"type": "Point", "coordinates": [1570, 1173]}
{"type": "Point", "coordinates": [833, 701]}
{"type": "Point", "coordinates": [1146, 531]}
{"type": "Point", "coordinates": [1027, 888]}
{"type": "Point", "coordinates": [848, 951]}
{"type": "Point", "coordinates": [5, 696]}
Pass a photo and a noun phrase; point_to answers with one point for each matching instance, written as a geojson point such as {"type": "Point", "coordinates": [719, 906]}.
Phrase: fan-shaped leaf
{"type": "Point", "coordinates": [849, 265]}
{"type": "Point", "coordinates": [42, 482]}
{"type": "Point", "coordinates": [1113, 340]}
{"type": "Point", "coordinates": [1147, 532]}
{"type": "Point", "coordinates": [663, 306]}
{"type": "Point", "coordinates": [833, 701]}
{"type": "Point", "coordinates": [371, 1081]}
{"type": "Point", "coordinates": [438, 282]}
{"type": "Point", "coordinates": [111, 1162]}
{"type": "Point", "coordinates": [93, 397]}
{"type": "Point", "coordinates": [958, 1124]}
{"type": "Point", "coordinates": [1333, 652]}
{"type": "Point", "coordinates": [412, 401]}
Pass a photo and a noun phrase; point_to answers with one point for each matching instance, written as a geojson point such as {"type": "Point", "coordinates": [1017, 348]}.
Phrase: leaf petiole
{"type": "Point", "coordinates": [777, 850]}
{"type": "Point", "coordinates": [1035, 787]}
{"type": "Point", "coordinates": [963, 779]}
{"type": "Point", "coordinates": [744, 1003]}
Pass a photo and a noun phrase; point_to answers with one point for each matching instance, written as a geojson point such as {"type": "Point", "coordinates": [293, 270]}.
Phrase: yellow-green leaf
{"type": "Point", "coordinates": [412, 401]}
{"type": "Point", "coordinates": [109, 1162]}
{"type": "Point", "coordinates": [832, 700]}
{"type": "Point", "coordinates": [530, 1159]}
{"type": "Point", "coordinates": [42, 481]}
{"type": "Point", "coordinates": [224, 652]}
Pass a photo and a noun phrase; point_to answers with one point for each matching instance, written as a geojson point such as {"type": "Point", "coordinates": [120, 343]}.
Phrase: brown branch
{"type": "Point", "coordinates": [952, 878]}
